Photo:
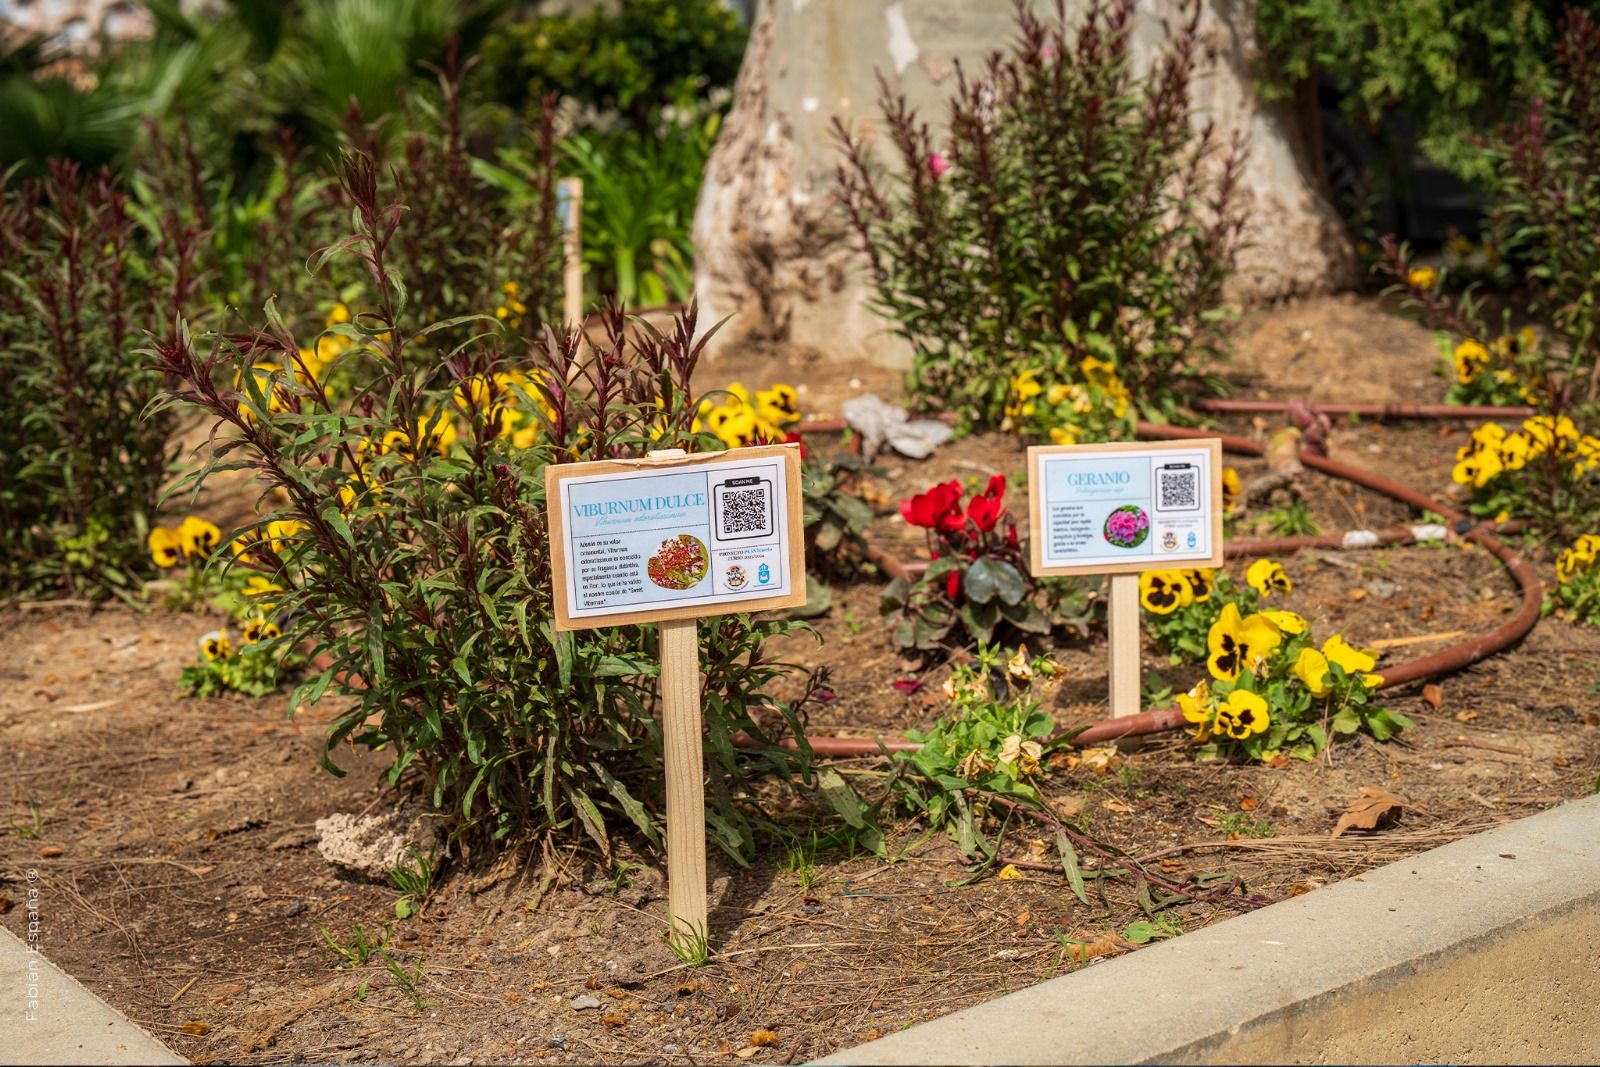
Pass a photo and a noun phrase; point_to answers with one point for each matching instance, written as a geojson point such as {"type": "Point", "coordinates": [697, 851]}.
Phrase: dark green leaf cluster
{"type": "Point", "coordinates": [1074, 208]}
{"type": "Point", "coordinates": [1451, 68]}
{"type": "Point", "coordinates": [254, 670]}
{"type": "Point", "coordinates": [836, 518]}
{"type": "Point", "coordinates": [414, 556]}
{"type": "Point", "coordinates": [242, 72]}
{"type": "Point", "coordinates": [631, 58]}
{"type": "Point", "coordinates": [992, 745]}
{"type": "Point", "coordinates": [84, 275]}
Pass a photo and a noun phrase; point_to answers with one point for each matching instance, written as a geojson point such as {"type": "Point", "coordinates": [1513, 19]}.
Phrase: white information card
{"type": "Point", "coordinates": [1122, 508]}
{"type": "Point", "coordinates": [676, 538]}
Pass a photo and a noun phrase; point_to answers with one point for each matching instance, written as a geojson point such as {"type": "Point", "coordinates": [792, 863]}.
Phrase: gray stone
{"type": "Point", "coordinates": [370, 845]}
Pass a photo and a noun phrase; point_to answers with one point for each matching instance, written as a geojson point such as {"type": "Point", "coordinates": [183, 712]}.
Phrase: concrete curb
{"type": "Point", "coordinates": [1486, 950]}
{"type": "Point", "coordinates": [48, 1018]}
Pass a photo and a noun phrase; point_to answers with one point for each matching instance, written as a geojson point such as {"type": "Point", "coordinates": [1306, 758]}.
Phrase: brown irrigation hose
{"type": "Point", "coordinates": [1371, 411]}
{"type": "Point", "coordinates": [1159, 720]}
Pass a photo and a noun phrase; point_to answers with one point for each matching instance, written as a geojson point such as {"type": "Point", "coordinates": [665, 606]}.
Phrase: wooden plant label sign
{"type": "Point", "coordinates": [637, 541]}
{"type": "Point", "coordinates": [1125, 507]}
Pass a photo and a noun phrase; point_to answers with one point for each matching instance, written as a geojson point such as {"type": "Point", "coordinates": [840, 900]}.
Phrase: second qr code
{"type": "Point", "coordinates": [744, 509]}
{"type": "Point", "coordinates": [1178, 489]}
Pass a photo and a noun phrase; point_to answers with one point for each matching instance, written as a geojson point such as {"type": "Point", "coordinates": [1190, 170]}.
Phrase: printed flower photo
{"type": "Point", "coordinates": [679, 563]}
{"type": "Point", "coordinates": [1128, 526]}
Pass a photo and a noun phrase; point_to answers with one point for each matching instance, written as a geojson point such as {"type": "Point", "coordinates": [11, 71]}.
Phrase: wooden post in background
{"type": "Point", "coordinates": [1122, 628]}
{"type": "Point", "coordinates": [569, 206]}
{"type": "Point", "coordinates": [684, 755]}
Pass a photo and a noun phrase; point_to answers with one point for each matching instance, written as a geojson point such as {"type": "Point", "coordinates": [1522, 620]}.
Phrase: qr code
{"type": "Point", "coordinates": [744, 508]}
{"type": "Point", "coordinates": [1178, 488]}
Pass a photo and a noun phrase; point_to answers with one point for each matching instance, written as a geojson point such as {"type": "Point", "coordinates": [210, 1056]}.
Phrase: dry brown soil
{"type": "Point", "coordinates": [181, 882]}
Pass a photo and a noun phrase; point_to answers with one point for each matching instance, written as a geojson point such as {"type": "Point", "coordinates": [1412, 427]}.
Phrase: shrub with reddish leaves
{"type": "Point", "coordinates": [978, 579]}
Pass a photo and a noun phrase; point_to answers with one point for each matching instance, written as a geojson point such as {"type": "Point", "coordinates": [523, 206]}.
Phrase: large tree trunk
{"type": "Point", "coordinates": [768, 244]}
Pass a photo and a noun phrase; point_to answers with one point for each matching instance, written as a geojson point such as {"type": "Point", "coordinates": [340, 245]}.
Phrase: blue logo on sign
{"type": "Point", "coordinates": [764, 574]}
{"type": "Point", "coordinates": [1191, 539]}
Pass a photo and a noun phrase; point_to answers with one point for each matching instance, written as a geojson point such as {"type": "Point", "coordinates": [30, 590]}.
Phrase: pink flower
{"type": "Point", "coordinates": [938, 165]}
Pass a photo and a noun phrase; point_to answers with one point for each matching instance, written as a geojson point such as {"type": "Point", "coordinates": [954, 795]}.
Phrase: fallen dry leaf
{"type": "Point", "coordinates": [1109, 945]}
{"type": "Point", "coordinates": [1113, 804]}
{"type": "Point", "coordinates": [1098, 760]}
{"type": "Point", "coordinates": [1022, 920]}
{"type": "Point", "coordinates": [1301, 888]}
{"type": "Point", "coordinates": [1067, 807]}
{"type": "Point", "coordinates": [1372, 810]}
{"type": "Point", "coordinates": [1248, 803]}
{"type": "Point", "coordinates": [1009, 873]}
{"type": "Point", "coordinates": [612, 1019]}
{"type": "Point", "coordinates": [196, 1028]}
{"type": "Point", "coordinates": [1357, 594]}
{"type": "Point", "coordinates": [1466, 716]}
{"type": "Point", "coordinates": [746, 1052]}
{"type": "Point", "coordinates": [50, 852]}
{"type": "Point", "coordinates": [764, 1039]}
{"type": "Point", "coordinates": [1433, 693]}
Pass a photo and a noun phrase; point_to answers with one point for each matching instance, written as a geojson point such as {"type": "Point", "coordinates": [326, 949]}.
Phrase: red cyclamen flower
{"type": "Point", "coordinates": [937, 164]}
{"type": "Point", "coordinates": [936, 508]}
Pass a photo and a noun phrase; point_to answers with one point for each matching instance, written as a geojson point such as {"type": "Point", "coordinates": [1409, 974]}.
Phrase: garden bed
{"type": "Point", "coordinates": [180, 879]}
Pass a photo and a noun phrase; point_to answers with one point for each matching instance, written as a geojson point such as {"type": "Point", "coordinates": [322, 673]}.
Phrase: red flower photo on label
{"type": "Point", "coordinates": [679, 563]}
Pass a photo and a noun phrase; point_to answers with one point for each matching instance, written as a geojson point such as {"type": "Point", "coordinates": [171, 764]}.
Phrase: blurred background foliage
{"type": "Point", "coordinates": [641, 86]}
{"type": "Point", "coordinates": [1450, 69]}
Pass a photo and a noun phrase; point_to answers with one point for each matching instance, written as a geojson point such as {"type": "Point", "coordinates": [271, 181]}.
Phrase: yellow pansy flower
{"type": "Point", "coordinates": [1201, 581]}
{"type": "Point", "coordinates": [215, 646]}
{"type": "Point", "coordinates": [1352, 660]}
{"type": "Point", "coordinates": [1267, 577]}
{"type": "Point", "coordinates": [1311, 667]}
{"type": "Point", "coordinates": [1164, 592]}
{"type": "Point", "coordinates": [1286, 621]}
{"type": "Point", "coordinates": [1241, 714]}
{"type": "Point", "coordinates": [165, 548]}
{"type": "Point", "coordinates": [1232, 489]}
{"type": "Point", "coordinates": [198, 537]}
{"type": "Point", "coordinates": [1477, 469]}
{"type": "Point", "coordinates": [260, 630]}
{"type": "Point", "coordinates": [1422, 277]}
{"type": "Point", "coordinates": [1471, 358]}
{"type": "Point", "coordinates": [1063, 435]}
{"type": "Point", "coordinates": [1196, 708]}
{"type": "Point", "coordinates": [256, 588]}
{"type": "Point", "coordinates": [1235, 644]}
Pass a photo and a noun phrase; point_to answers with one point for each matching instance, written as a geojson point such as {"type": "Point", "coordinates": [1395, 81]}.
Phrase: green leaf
{"type": "Point", "coordinates": [981, 583]}
{"type": "Point", "coordinates": [1069, 865]}
{"type": "Point", "coordinates": [840, 797]}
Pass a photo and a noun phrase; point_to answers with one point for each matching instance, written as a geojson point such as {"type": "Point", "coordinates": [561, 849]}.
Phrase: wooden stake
{"type": "Point", "coordinates": [681, 730]}
{"type": "Point", "coordinates": [1122, 625]}
{"type": "Point", "coordinates": [686, 798]}
{"type": "Point", "coordinates": [571, 191]}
